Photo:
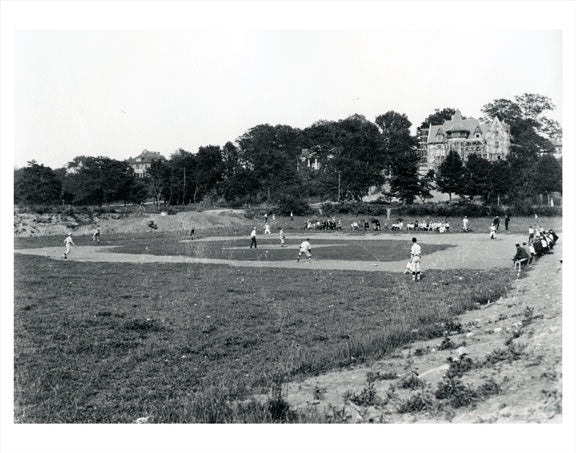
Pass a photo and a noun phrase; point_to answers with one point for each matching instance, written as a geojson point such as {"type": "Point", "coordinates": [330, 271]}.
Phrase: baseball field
{"type": "Point", "coordinates": [157, 326]}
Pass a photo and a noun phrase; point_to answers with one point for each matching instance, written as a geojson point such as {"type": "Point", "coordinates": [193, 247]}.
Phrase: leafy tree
{"type": "Point", "coordinates": [450, 177]}
{"type": "Point", "coordinates": [158, 181]}
{"type": "Point", "coordinates": [209, 170]}
{"type": "Point", "coordinates": [36, 184]}
{"type": "Point", "coordinates": [351, 155]}
{"type": "Point", "coordinates": [99, 180]}
{"type": "Point", "coordinates": [427, 185]}
{"type": "Point", "coordinates": [533, 134]}
{"type": "Point", "coordinates": [270, 153]}
{"type": "Point", "coordinates": [181, 183]}
{"type": "Point", "coordinates": [242, 186]}
{"type": "Point", "coordinates": [477, 177]}
{"type": "Point", "coordinates": [437, 118]}
{"type": "Point", "coordinates": [548, 175]}
{"type": "Point", "coordinates": [500, 178]}
{"type": "Point", "coordinates": [401, 150]}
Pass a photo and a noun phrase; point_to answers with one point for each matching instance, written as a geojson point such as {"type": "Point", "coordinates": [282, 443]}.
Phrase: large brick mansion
{"type": "Point", "coordinates": [465, 136]}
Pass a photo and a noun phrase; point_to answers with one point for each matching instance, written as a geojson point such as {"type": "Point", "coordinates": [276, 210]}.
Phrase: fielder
{"type": "Point", "coordinates": [282, 237]}
{"type": "Point", "coordinates": [267, 229]}
{"type": "Point", "coordinates": [96, 235]}
{"type": "Point", "coordinates": [492, 231]}
{"type": "Point", "coordinates": [253, 238]}
{"type": "Point", "coordinates": [69, 243]}
{"type": "Point", "coordinates": [305, 248]}
{"type": "Point", "coordinates": [415, 253]}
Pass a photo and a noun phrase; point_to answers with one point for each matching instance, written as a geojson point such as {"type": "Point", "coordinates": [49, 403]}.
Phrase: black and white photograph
{"type": "Point", "coordinates": [287, 226]}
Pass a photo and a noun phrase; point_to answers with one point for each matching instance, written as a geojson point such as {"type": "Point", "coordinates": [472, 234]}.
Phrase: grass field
{"type": "Point", "coordinates": [183, 343]}
{"type": "Point", "coordinates": [111, 342]}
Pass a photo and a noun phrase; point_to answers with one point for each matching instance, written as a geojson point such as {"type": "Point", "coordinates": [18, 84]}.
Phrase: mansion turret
{"type": "Point", "coordinates": [465, 136]}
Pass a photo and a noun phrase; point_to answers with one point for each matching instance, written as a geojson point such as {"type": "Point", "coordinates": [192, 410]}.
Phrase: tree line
{"type": "Point", "coordinates": [355, 155]}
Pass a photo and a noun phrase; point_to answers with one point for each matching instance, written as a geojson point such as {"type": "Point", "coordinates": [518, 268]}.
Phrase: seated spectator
{"type": "Point", "coordinates": [537, 244]}
{"type": "Point", "coordinates": [554, 235]}
{"type": "Point", "coordinates": [528, 248]}
{"type": "Point", "coordinates": [521, 258]}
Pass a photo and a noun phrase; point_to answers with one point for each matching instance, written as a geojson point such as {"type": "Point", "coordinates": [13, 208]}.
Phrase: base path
{"type": "Point", "coordinates": [468, 251]}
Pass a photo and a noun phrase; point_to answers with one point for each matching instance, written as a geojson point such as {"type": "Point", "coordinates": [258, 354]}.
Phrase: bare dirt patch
{"type": "Point", "coordinates": [27, 225]}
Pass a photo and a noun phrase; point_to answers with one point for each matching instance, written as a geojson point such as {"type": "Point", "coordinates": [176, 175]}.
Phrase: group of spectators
{"type": "Point", "coordinates": [326, 224]}
{"type": "Point", "coordinates": [540, 242]}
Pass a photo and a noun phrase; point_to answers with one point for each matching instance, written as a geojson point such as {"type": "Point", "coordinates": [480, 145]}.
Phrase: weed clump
{"type": "Point", "coordinates": [416, 403]}
{"type": "Point", "coordinates": [318, 393]}
{"type": "Point", "coordinates": [513, 351]}
{"type": "Point", "coordinates": [456, 392]}
{"type": "Point", "coordinates": [447, 343]}
{"type": "Point", "coordinates": [411, 382]}
{"type": "Point", "coordinates": [459, 367]}
{"type": "Point", "coordinates": [528, 316]}
{"type": "Point", "coordinates": [366, 397]}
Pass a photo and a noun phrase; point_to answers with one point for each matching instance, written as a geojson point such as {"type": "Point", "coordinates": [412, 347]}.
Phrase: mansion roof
{"type": "Point", "coordinates": [146, 157]}
{"type": "Point", "coordinates": [472, 128]}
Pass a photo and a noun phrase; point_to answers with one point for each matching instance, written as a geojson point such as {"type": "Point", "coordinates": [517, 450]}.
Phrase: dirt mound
{"type": "Point", "coordinates": [26, 225]}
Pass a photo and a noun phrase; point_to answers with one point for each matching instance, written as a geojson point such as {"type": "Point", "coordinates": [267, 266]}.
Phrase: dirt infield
{"type": "Point", "coordinates": [469, 251]}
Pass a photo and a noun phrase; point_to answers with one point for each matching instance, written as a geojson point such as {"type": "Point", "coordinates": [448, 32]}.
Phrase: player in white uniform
{"type": "Point", "coordinates": [492, 231]}
{"type": "Point", "coordinates": [96, 235]}
{"type": "Point", "coordinates": [282, 237]}
{"type": "Point", "coordinates": [415, 253]}
{"type": "Point", "coordinates": [69, 243]}
{"type": "Point", "coordinates": [267, 229]}
{"type": "Point", "coordinates": [305, 248]}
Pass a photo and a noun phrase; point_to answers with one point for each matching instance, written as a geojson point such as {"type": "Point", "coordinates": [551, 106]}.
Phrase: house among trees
{"type": "Point", "coordinates": [143, 162]}
{"type": "Point", "coordinates": [466, 136]}
{"type": "Point", "coordinates": [310, 159]}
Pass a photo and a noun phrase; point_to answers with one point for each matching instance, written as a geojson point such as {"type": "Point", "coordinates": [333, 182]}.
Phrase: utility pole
{"type": "Point", "coordinates": [184, 186]}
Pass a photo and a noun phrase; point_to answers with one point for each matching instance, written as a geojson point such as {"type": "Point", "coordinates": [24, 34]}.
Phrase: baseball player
{"type": "Point", "coordinates": [69, 243]}
{"type": "Point", "coordinates": [415, 253]}
{"type": "Point", "coordinates": [305, 248]}
{"type": "Point", "coordinates": [253, 238]}
{"type": "Point", "coordinates": [282, 237]}
{"type": "Point", "coordinates": [96, 235]}
{"type": "Point", "coordinates": [492, 231]}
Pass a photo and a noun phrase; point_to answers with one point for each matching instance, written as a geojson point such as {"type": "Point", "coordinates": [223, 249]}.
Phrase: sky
{"type": "Point", "coordinates": [115, 93]}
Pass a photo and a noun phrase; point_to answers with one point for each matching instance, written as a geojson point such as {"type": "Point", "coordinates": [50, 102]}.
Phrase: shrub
{"type": "Point", "coordinates": [367, 397]}
{"type": "Point", "coordinates": [411, 382]}
{"type": "Point", "coordinates": [456, 392]}
{"type": "Point", "coordinates": [288, 204]}
{"type": "Point", "coordinates": [459, 367]}
{"type": "Point", "coordinates": [416, 403]}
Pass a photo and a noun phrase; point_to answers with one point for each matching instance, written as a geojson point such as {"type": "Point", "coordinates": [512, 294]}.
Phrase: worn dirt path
{"type": "Point", "coordinates": [470, 251]}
